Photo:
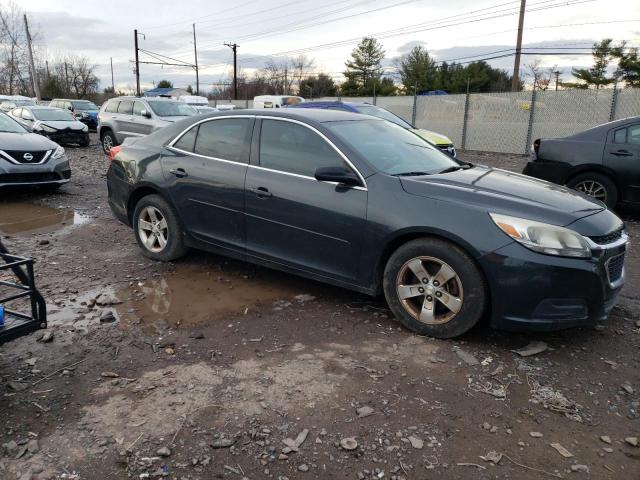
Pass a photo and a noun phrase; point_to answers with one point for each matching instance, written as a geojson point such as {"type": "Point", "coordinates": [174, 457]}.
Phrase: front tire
{"type": "Point", "coordinates": [108, 140]}
{"type": "Point", "coordinates": [434, 288]}
{"type": "Point", "coordinates": [597, 186]}
{"type": "Point", "coordinates": [157, 229]}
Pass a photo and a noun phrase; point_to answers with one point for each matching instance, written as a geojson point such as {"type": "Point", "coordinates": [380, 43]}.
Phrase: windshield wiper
{"type": "Point", "coordinates": [455, 168]}
{"type": "Point", "coordinates": [410, 174]}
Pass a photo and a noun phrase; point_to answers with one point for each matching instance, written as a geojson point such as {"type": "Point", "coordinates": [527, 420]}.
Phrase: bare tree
{"type": "Point", "coordinates": [541, 77]}
{"type": "Point", "coordinates": [302, 67]}
{"type": "Point", "coordinates": [14, 67]}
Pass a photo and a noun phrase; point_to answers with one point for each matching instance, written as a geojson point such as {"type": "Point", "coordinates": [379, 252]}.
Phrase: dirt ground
{"type": "Point", "coordinates": [212, 368]}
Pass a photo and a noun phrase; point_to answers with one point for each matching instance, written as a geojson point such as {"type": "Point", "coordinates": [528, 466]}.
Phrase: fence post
{"type": "Point", "coordinates": [246, 103]}
{"type": "Point", "coordinates": [532, 111]}
{"type": "Point", "coordinates": [614, 103]}
{"type": "Point", "coordinates": [465, 119]}
{"type": "Point", "coordinates": [415, 105]}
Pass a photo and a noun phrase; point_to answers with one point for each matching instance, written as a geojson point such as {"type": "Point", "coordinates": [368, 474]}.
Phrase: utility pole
{"type": "Point", "coordinates": [557, 74]}
{"type": "Point", "coordinates": [135, 37]}
{"type": "Point", "coordinates": [113, 85]}
{"type": "Point", "coordinates": [515, 80]}
{"type": "Point", "coordinates": [47, 64]}
{"type": "Point", "coordinates": [234, 47]}
{"type": "Point", "coordinates": [66, 77]}
{"type": "Point", "coordinates": [34, 74]}
{"type": "Point", "coordinates": [195, 53]}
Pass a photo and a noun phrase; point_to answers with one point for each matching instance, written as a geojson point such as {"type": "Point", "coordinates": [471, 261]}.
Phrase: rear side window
{"type": "Point", "coordinates": [227, 139]}
{"type": "Point", "coordinates": [188, 141]}
{"type": "Point", "coordinates": [126, 107]}
{"type": "Point", "coordinates": [620, 136]}
{"type": "Point", "coordinates": [293, 148]}
{"type": "Point", "coordinates": [112, 106]}
{"type": "Point", "coordinates": [633, 136]}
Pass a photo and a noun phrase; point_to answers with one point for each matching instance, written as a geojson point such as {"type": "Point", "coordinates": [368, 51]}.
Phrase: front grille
{"type": "Point", "coordinates": [615, 267]}
{"type": "Point", "coordinates": [9, 178]}
{"type": "Point", "coordinates": [609, 237]}
{"type": "Point", "coordinates": [31, 156]}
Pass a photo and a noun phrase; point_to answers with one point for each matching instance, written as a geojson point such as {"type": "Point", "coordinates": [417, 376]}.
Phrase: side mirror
{"type": "Point", "coordinates": [145, 113]}
{"type": "Point", "coordinates": [337, 174]}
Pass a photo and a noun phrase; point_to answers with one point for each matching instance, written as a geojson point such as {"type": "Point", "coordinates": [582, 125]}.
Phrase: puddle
{"type": "Point", "coordinates": [194, 295]}
{"type": "Point", "coordinates": [20, 218]}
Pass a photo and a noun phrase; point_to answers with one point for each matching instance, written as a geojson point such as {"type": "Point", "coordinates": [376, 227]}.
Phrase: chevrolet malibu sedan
{"type": "Point", "coordinates": [365, 204]}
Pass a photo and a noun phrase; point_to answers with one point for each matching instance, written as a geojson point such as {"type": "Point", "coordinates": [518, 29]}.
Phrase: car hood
{"type": "Point", "coordinates": [61, 124]}
{"type": "Point", "coordinates": [173, 119]}
{"type": "Point", "coordinates": [432, 137]}
{"type": "Point", "coordinates": [25, 141]}
{"type": "Point", "coordinates": [499, 191]}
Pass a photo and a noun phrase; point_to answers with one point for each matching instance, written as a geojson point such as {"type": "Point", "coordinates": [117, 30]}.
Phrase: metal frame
{"type": "Point", "coordinates": [23, 323]}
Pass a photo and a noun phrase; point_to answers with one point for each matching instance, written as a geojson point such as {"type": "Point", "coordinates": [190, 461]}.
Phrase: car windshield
{"type": "Point", "coordinates": [8, 125]}
{"type": "Point", "coordinates": [383, 114]}
{"type": "Point", "coordinates": [52, 114]}
{"type": "Point", "coordinates": [24, 103]}
{"type": "Point", "coordinates": [392, 149]}
{"type": "Point", "coordinates": [84, 106]}
{"type": "Point", "coordinates": [171, 109]}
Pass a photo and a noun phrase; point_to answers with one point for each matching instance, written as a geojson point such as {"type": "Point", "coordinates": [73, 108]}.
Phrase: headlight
{"type": "Point", "coordinates": [47, 128]}
{"type": "Point", "coordinates": [543, 238]}
{"type": "Point", "coordinates": [59, 153]}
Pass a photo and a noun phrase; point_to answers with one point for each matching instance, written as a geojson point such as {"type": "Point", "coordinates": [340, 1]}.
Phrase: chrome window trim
{"type": "Point", "coordinates": [306, 177]}
{"type": "Point", "coordinates": [175, 149]}
{"type": "Point", "coordinates": [324, 137]}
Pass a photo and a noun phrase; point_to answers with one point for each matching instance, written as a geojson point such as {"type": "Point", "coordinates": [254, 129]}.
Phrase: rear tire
{"type": "Point", "coordinates": [596, 185]}
{"type": "Point", "coordinates": [108, 140]}
{"type": "Point", "coordinates": [157, 229]}
{"type": "Point", "coordinates": [434, 288]}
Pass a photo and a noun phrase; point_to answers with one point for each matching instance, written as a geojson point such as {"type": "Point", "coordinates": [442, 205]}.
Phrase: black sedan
{"type": "Point", "coordinates": [603, 162]}
{"type": "Point", "coordinates": [362, 203]}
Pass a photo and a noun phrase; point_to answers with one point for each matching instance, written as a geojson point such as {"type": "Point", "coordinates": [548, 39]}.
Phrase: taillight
{"type": "Point", "coordinates": [113, 151]}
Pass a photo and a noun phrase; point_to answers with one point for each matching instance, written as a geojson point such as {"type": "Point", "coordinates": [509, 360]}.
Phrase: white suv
{"type": "Point", "coordinates": [125, 117]}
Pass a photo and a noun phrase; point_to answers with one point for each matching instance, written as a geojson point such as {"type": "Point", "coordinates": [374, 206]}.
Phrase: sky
{"type": "Point", "coordinates": [328, 31]}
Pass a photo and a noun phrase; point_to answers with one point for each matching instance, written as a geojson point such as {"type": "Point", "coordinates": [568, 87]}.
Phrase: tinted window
{"type": "Point", "coordinates": [634, 135]}
{"type": "Point", "coordinates": [126, 107]}
{"type": "Point", "coordinates": [137, 108]}
{"type": "Point", "coordinates": [112, 106]}
{"type": "Point", "coordinates": [293, 148]}
{"type": "Point", "coordinates": [188, 140]}
{"type": "Point", "coordinates": [227, 139]}
{"type": "Point", "coordinates": [620, 136]}
{"type": "Point", "coordinates": [390, 148]}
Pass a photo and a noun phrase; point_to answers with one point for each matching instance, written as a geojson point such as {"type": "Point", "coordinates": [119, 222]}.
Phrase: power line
{"type": "Point", "coordinates": [235, 7]}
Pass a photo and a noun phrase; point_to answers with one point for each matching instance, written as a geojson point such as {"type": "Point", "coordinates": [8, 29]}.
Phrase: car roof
{"type": "Point", "coordinates": [331, 102]}
{"type": "Point", "coordinates": [70, 100]}
{"type": "Point", "coordinates": [304, 114]}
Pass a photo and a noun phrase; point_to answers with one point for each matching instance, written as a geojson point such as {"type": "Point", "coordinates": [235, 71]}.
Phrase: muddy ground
{"type": "Point", "coordinates": [212, 368]}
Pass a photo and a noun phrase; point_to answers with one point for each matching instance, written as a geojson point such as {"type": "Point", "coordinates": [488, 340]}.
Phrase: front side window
{"type": "Point", "coordinates": [293, 148]}
{"type": "Point", "coordinates": [138, 107]}
{"type": "Point", "coordinates": [633, 136]}
{"type": "Point", "coordinates": [620, 136]}
{"type": "Point", "coordinates": [126, 107]}
{"type": "Point", "coordinates": [227, 139]}
{"type": "Point", "coordinates": [390, 148]}
{"type": "Point", "coordinates": [112, 106]}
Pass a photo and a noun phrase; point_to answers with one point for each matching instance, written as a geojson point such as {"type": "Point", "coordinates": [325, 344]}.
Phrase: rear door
{"type": "Point", "coordinates": [295, 220]}
{"type": "Point", "coordinates": [124, 121]}
{"type": "Point", "coordinates": [622, 155]}
{"type": "Point", "coordinates": [205, 169]}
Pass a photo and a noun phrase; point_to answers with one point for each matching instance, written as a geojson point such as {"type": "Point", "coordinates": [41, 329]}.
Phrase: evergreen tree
{"type": "Point", "coordinates": [603, 54]}
{"type": "Point", "coordinates": [364, 65]}
{"type": "Point", "coordinates": [417, 68]}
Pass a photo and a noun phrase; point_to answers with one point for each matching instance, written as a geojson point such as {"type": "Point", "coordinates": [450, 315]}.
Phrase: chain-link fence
{"type": "Point", "coordinates": [503, 122]}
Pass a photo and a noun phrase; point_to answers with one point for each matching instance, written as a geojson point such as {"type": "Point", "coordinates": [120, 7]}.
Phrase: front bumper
{"type": "Point", "coordinates": [532, 291]}
{"type": "Point", "coordinates": [52, 172]}
{"type": "Point", "coordinates": [68, 137]}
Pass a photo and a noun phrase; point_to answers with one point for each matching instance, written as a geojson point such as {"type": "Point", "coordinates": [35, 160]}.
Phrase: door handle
{"type": "Point", "coordinates": [261, 192]}
{"type": "Point", "coordinates": [178, 172]}
{"type": "Point", "coordinates": [622, 153]}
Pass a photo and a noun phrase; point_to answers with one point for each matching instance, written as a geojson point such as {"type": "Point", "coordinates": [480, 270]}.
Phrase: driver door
{"type": "Point", "coordinates": [292, 218]}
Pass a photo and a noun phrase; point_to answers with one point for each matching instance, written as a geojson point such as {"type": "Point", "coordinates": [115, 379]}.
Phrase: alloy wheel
{"type": "Point", "coordinates": [107, 142]}
{"type": "Point", "coordinates": [153, 229]}
{"type": "Point", "coordinates": [429, 290]}
{"type": "Point", "coordinates": [593, 189]}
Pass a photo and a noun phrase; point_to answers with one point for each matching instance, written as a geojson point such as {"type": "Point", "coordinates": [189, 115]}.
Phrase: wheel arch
{"type": "Point", "coordinates": [401, 237]}
{"type": "Point", "coordinates": [592, 167]}
{"type": "Point", "coordinates": [139, 193]}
